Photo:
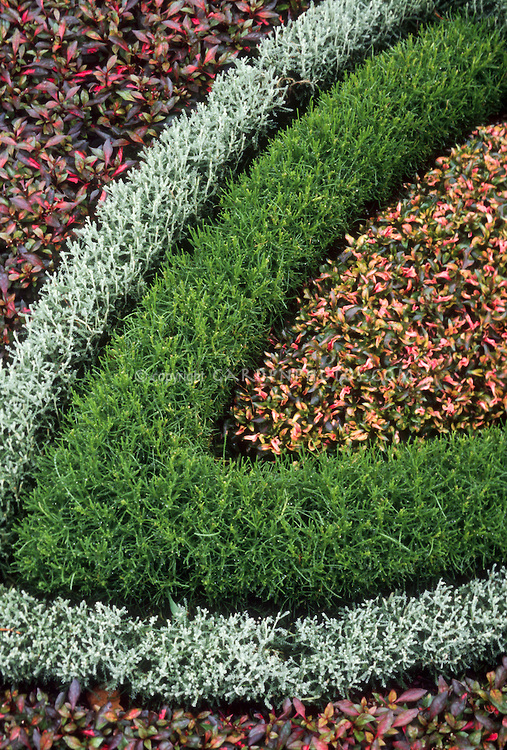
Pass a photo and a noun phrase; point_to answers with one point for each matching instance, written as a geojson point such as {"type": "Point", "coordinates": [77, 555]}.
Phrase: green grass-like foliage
{"type": "Point", "coordinates": [131, 504]}
{"type": "Point", "coordinates": [405, 335]}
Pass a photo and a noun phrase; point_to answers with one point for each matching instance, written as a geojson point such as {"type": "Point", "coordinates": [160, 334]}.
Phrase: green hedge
{"type": "Point", "coordinates": [177, 178]}
{"type": "Point", "coordinates": [132, 505]}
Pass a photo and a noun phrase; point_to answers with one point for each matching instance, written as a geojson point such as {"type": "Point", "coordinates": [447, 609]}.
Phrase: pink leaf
{"type": "Point", "coordinates": [175, 7]}
{"type": "Point", "coordinates": [210, 55]}
{"type": "Point", "coordinates": [384, 724]}
{"type": "Point", "coordinates": [71, 51]}
{"type": "Point", "coordinates": [21, 203]}
{"type": "Point", "coordinates": [406, 717]}
{"type": "Point", "coordinates": [300, 709]}
{"type": "Point", "coordinates": [347, 708]}
{"type": "Point", "coordinates": [414, 694]}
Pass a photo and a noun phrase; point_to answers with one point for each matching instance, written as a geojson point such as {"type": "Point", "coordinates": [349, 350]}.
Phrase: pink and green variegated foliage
{"type": "Point", "coordinates": [405, 335]}
{"type": "Point", "coordinates": [83, 85]}
{"type": "Point", "coordinates": [464, 715]}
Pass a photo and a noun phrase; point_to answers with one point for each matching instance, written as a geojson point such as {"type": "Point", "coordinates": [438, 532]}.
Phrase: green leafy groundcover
{"type": "Point", "coordinates": [132, 505]}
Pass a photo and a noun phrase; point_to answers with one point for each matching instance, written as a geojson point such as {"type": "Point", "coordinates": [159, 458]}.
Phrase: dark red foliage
{"type": "Point", "coordinates": [460, 716]}
{"type": "Point", "coordinates": [84, 85]}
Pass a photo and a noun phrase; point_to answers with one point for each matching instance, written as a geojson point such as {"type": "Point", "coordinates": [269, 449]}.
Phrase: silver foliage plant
{"type": "Point", "coordinates": [213, 658]}
{"type": "Point", "coordinates": [145, 214]}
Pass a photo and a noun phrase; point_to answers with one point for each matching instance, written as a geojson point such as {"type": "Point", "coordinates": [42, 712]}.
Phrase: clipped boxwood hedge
{"type": "Point", "coordinates": [131, 504]}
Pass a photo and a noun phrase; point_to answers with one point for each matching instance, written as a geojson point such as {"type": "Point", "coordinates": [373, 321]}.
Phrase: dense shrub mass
{"type": "Point", "coordinates": [310, 535]}
{"type": "Point", "coordinates": [196, 656]}
{"type": "Point", "coordinates": [148, 213]}
{"type": "Point", "coordinates": [464, 714]}
{"type": "Point", "coordinates": [132, 504]}
{"type": "Point", "coordinates": [80, 92]}
{"type": "Point", "coordinates": [406, 334]}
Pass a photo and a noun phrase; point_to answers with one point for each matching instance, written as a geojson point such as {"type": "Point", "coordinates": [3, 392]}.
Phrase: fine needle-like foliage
{"type": "Point", "coordinates": [133, 502]}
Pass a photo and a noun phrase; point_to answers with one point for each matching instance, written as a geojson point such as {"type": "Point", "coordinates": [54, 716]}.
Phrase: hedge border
{"type": "Point", "coordinates": [179, 174]}
{"type": "Point", "coordinates": [208, 658]}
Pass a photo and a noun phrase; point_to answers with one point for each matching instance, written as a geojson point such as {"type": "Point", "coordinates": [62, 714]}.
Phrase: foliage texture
{"type": "Point", "coordinates": [462, 715]}
{"type": "Point", "coordinates": [80, 91]}
{"type": "Point", "coordinates": [146, 214]}
{"type": "Point", "coordinates": [201, 657]}
{"type": "Point", "coordinates": [133, 503]}
{"type": "Point", "coordinates": [463, 649]}
{"type": "Point", "coordinates": [406, 335]}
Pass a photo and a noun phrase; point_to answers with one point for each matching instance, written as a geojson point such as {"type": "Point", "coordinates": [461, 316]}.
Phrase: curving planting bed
{"type": "Point", "coordinates": [135, 502]}
{"type": "Point", "coordinates": [179, 175]}
{"type": "Point", "coordinates": [132, 503]}
{"type": "Point", "coordinates": [403, 335]}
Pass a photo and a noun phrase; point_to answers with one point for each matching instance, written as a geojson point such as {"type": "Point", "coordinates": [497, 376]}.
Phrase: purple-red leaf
{"type": "Point", "coordinates": [347, 708]}
{"type": "Point", "coordinates": [21, 203]}
{"type": "Point", "coordinates": [300, 709]}
{"type": "Point", "coordinates": [256, 733]}
{"type": "Point", "coordinates": [414, 694]}
{"type": "Point", "coordinates": [318, 744]}
{"type": "Point", "coordinates": [384, 724]}
{"type": "Point", "coordinates": [74, 692]}
{"type": "Point", "coordinates": [405, 717]}
{"type": "Point", "coordinates": [438, 704]}
{"type": "Point", "coordinates": [108, 151]}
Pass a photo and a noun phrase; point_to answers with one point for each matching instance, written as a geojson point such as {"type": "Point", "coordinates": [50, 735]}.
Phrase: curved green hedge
{"type": "Point", "coordinates": [152, 208]}
{"type": "Point", "coordinates": [131, 504]}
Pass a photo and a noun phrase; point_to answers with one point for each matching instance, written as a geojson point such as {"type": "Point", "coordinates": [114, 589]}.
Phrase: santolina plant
{"type": "Point", "coordinates": [405, 335]}
{"type": "Point", "coordinates": [199, 657]}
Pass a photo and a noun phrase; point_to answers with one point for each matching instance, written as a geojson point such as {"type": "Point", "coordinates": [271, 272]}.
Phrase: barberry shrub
{"type": "Point", "coordinates": [405, 333]}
